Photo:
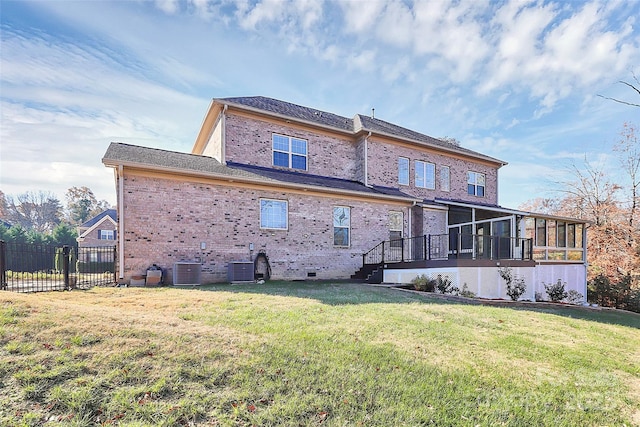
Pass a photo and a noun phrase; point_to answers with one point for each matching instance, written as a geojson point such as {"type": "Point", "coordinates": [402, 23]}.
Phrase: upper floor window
{"type": "Point", "coordinates": [289, 152]}
{"type": "Point", "coordinates": [341, 225]}
{"type": "Point", "coordinates": [106, 234]}
{"type": "Point", "coordinates": [475, 183]}
{"type": "Point", "coordinates": [403, 171]}
{"type": "Point", "coordinates": [425, 175]}
{"type": "Point", "coordinates": [273, 214]}
{"type": "Point", "coordinates": [445, 178]}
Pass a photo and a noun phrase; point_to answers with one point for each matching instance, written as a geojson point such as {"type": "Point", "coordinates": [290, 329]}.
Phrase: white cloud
{"type": "Point", "coordinates": [167, 6]}
{"type": "Point", "coordinates": [394, 25]}
{"type": "Point", "coordinates": [518, 78]}
{"type": "Point", "coordinates": [266, 11]}
{"type": "Point", "coordinates": [363, 61]}
{"type": "Point", "coordinates": [360, 17]}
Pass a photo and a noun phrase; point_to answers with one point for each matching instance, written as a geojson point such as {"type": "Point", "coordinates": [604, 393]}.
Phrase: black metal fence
{"type": "Point", "coordinates": [447, 246]}
{"type": "Point", "coordinates": [40, 268]}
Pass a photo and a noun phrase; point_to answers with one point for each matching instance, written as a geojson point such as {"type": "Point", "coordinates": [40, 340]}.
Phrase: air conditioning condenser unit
{"type": "Point", "coordinates": [240, 271]}
{"type": "Point", "coordinates": [186, 273]}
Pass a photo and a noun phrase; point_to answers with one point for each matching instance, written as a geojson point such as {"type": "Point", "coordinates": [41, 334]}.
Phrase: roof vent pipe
{"type": "Point", "coordinates": [373, 113]}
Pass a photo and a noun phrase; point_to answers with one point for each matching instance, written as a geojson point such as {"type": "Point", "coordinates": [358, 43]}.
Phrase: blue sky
{"type": "Point", "coordinates": [517, 80]}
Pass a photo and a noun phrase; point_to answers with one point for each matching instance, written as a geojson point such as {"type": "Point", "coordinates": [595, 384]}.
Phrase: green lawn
{"type": "Point", "coordinates": [303, 354]}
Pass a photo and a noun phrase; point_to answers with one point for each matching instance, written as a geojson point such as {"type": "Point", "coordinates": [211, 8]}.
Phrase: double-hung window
{"type": "Point", "coordinates": [106, 235]}
{"type": "Point", "coordinates": [475, 183]}
{"type": "Point", "coordinates": [289, 152]}
{"type": "Point", "coordinates": [273, 214]}
{"type": "Point", "coordinates": [403, 171]}
{"type": "Point", "coordinates": [425, 175]}
{"type": "Point", "coordinates": [341, 225]}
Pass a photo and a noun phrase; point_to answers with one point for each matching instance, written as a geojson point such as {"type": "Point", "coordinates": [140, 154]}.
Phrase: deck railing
{"type": "Point", "coordinates": [446, 246]}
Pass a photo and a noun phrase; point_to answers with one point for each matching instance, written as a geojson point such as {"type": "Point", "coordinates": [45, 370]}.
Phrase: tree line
{"type": "Point", "coordinates": [38, 217]}
{"type": "Point", "coordinates": [607, 197]}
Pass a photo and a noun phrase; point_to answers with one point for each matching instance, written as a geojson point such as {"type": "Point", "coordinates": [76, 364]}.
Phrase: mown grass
{"type": "Point", "coordinates": [305, 354]}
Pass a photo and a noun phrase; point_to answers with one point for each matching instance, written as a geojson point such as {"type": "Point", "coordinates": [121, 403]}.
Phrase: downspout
{"type": "Point", "coordinates": [121, 222]}
{"type": "Point", "coordinates": [584, 253]}
{"type": "Point", "coordinates": [223, 142]}
{"type": "Point", "coordinates": [366, 160]}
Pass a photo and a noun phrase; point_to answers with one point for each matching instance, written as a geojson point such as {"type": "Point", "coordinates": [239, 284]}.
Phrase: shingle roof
{"type": "Point", "coordinates": [107, 212]}
{"type": "Point", "coordinates": [357, 124]}
{"type": "Point", "coordinates": [294, 111]}
{"type": "Point", "coordinates": [119, 153]}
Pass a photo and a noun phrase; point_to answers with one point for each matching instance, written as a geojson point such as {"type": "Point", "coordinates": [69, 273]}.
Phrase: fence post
{"type": "Point", "coordinates": [65, 266]}
{"type": "Point", "coordinates": [3, 265]}
{"type": "Point", "coordinates": [427, 239]}
{"type": "Point", "coordinates": [115, 265]}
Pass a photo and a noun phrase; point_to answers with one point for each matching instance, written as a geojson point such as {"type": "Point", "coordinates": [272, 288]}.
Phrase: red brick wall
{"type": "Point", "coordinates": [383, 170]}
{"type": "Point", "coordinates": [167, 220]}
{"type": "Point", "coordinates": [92, 239]}
{"type": "Point", "coordinates": [249, 141]}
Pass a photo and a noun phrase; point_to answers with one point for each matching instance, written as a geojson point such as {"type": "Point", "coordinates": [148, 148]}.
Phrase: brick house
{"type": "Point", "coordinates": [327, 197]}
{"type": "Point", "coordinates": [96, 236]}
{"type": "Point", "coordinates": [100, 230]}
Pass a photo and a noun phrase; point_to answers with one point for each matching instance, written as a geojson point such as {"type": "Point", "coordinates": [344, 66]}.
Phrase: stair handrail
{"type": "Point", "coordinates": [375, 255]}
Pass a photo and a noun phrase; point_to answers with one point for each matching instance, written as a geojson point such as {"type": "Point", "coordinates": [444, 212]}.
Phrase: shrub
{"type": "Point", "coordinates": [599, 291]}
{"type": "Point", "coordinates": [574, 297]}
{"type": "Point", "coordinates": [445, 286]}
{"type": "Point", "coordinates": [556, 291]}
{"type": "Point", "coordinates": [423, 283]}
{"type": "Point", "coordinates": [624, 294]}
{"type": "Point", "coordinates": [515, 285]}
{"type": "Point", "coordinates": [516, 289]}
{"type": "Point", "coordinates": [465, 292]}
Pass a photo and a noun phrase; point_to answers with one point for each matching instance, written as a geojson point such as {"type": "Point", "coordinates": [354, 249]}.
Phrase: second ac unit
{"type": "Point", "coordinates": [186, 273]}
{"type": "Point", "coordinates": [242, 271]}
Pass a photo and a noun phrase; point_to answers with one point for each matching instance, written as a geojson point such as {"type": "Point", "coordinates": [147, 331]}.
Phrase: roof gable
{"type": "Point", "coordinates": [98, 218]}
{"type": "Point", "coordinates": [360, 123]}
{"type": "Point", "coordinates": [99, 223]}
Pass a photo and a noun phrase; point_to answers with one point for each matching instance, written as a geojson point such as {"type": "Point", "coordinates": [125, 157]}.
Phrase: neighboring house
{"type": "Point", "coordinates": [321, 195]}
{"type": "Point", "coordinates": [98, 232]}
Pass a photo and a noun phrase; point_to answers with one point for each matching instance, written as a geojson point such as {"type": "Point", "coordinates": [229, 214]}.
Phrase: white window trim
{"type": "Point", "coordinates": [290, 153]}
{"type": "Point", "coordinates": [286, 213]}
{"type": "Point", "coordinates": [421, 165]}
{"type": "Point", "coordinates": [348, 227]}
{"type": "Point", "coordinates": [476, 185]}
{"type": "Point", "coordinates": [408, 170]}
{"type": "Point", "coordinates": [109, 235]}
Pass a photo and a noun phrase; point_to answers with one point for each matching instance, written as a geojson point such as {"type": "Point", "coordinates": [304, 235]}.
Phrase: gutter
{"type": "Point", "coordinates": [257, 181]}
{"type": "Point", "coordinates": [352, 132]}
{"type": "Point", "coordinates": [120, 172]}
{"type": "Point", "coordinates": [366, 160]}
{"type": "Point", "coordinates": [223, 142]}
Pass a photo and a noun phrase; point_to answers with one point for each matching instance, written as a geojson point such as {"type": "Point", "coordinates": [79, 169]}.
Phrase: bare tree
{"type": "Point", "coordinates": [629, 156]}
{"type": "Point", "coordinates": [38, 211]}
{"type": "Point", "coordinates": [591, 195]}
{"type": "Point", "coordinates": [634, 86]}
